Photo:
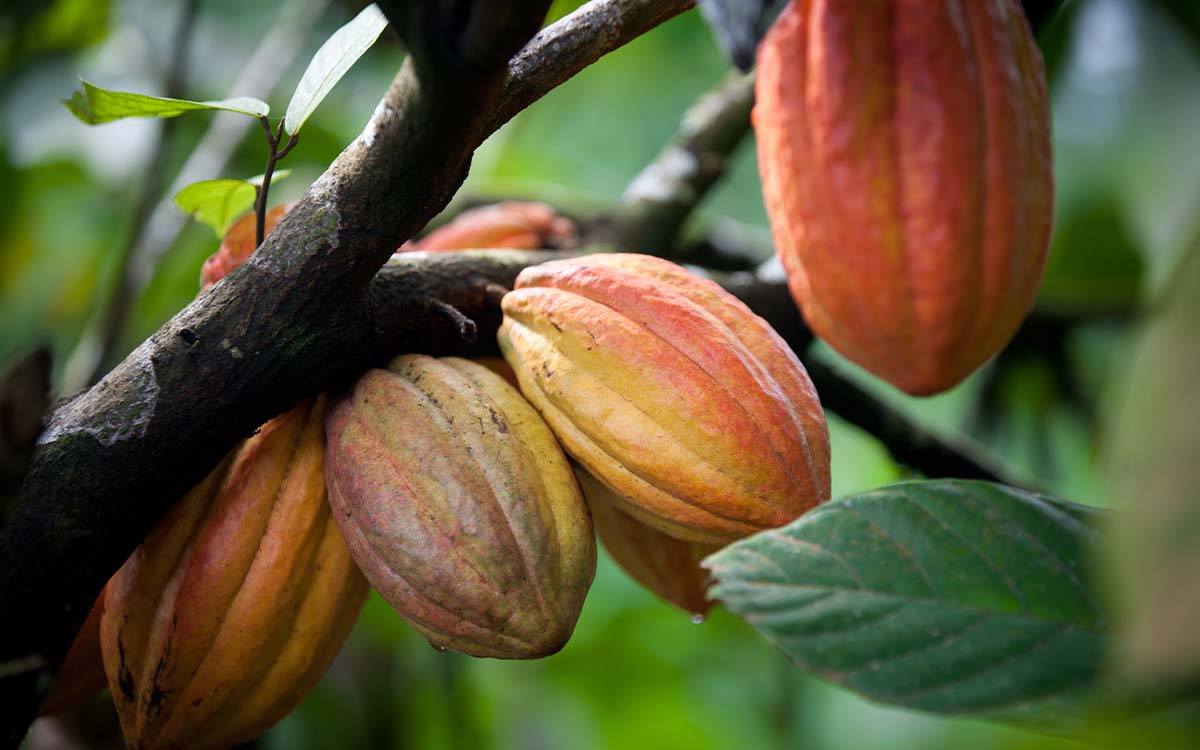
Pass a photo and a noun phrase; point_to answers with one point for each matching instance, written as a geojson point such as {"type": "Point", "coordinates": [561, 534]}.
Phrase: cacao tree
{"type": "Point", "coordinates": [912, 438]}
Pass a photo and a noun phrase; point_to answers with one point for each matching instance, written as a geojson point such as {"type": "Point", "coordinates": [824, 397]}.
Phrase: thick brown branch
{"type": "Point", "coordinates": [660, 199]}
{"type": "Point", "coordinates": [299, 316]}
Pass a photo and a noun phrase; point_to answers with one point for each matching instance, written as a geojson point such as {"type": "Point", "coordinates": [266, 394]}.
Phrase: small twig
{"type": "Point", "coordinates": [274, 154]}
{"type": "Point", "coordinates": [468, 332]}
{"type": "Point", "coordinates": [494, 293]}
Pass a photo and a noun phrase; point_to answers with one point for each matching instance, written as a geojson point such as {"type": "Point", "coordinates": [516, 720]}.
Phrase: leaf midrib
{"type": "Point", "coordinates": [907, 599]}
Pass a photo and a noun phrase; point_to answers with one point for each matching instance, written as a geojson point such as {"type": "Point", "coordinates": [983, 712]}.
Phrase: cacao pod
{"type": "Point", "coordinates": [82, 672]}
{"type": "Point", "coordinates": [460, 507]}
{"type": "Point", "coordinates": [671, 391]}
{"type": "Point", "coordinates": [905, 157]}
{"type": "Point", "coordinates": [501, 367]}
{"type": "Point", "coordinates": [667, 566]}
{"type": "Point", "coordinates": [510, 224]}
{"type": "Point", "coordinates": [237, 245]}
{"type": "Point", "coordinates": [238, 601]}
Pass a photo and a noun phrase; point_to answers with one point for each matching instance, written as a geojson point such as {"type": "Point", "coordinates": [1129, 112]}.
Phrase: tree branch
{"type": "Point", "coordinates": [904, 438]}
{"type": "Point", "coordinates": [297, 317]}
{"type": "Point", "coordinates": [661, 198]}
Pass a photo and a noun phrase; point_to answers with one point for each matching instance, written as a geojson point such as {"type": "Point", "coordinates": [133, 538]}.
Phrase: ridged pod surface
{"type": "Point", "coordinates": [667, 566]}
{"type": "Point", "coordinates": [904, 147]}
{"type": "Point", "coordinates": [460, 507]}
{"type": "Point", "coordinates": [671, 391]}
{"type": "Point", "coordinates": [82, 672]}
{"type": "Point", "coordinates": [236, 604]}
{"type": "Point", "coordinates": [508, 224]}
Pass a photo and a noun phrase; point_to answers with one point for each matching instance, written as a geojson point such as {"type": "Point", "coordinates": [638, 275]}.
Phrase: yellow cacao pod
{"type": "Point", "coordinates": [904, 148]}
{"type": "Point", "coordinates": [82, 672]}
{"type": "Point", "coordinates": [460, 507]}
{"type": "Point", "coordinates": [667, 566]}
{"type": "Point", "coordinates": [671, 391]}
{"type": "Point", "coordinates": [235, 605]}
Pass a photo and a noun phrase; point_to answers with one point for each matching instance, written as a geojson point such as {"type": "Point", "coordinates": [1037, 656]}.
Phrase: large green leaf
{"type": "Point", "coordinates": [216, 203]}
{"type": "Point", "coordinates": [336, 56]}
{"type": "Point", "coordinates": [948, 596]}
{"type": "Point", "coordinates": [95, 105]}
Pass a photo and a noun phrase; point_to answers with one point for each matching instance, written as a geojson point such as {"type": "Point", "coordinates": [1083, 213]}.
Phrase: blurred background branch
{"type": "Point", "coordinates": [84, 366]}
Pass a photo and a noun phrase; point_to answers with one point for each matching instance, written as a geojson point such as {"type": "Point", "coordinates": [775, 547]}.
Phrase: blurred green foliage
{"type": "Point", "coordinates": [1126, 93]}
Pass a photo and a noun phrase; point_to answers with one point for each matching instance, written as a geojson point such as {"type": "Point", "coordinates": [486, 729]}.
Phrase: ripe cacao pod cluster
{"type": "Point", "coordinates": [236, 604]}
{"type": "Point", "coordinates": [904, 149]}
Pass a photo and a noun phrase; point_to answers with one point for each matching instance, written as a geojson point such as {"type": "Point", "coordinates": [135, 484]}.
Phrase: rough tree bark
{"type": "Point", "coordinates": [297, 318]}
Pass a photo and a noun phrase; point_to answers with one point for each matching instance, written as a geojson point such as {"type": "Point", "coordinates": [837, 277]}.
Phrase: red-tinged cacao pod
{"type": "Point", "coordinates": [237, 245]}
{"type": "Point", "coordinates": [667, 566]}
{"type": "Point", "coordinates": [510, 224]}
{"type": "Point", "coordinates": [236, 604]}
{"type": "Point", "coordinates": [82, 672]}
{"type": "Point", "coordinates": [671, 391]}
{"type": "Point", "coordinates": [904, 148]}
{"type": "Point", "coordinates": [460, 507]}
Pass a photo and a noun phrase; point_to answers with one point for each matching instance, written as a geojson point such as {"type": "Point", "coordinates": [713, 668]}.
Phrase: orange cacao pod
{"type": "Point", "coordinates": [671, 391]}
{"type": "Point", "coordinates": [237, 245]}
{"type": "Point", "coordinates": [82, 672]}
{"type": "Point", "coordinates": [510, 224]}
{"type": "Point", "coordinates": [460, 507]}
{"type": "Point", "coordinates": [235, 605]}
{"type": "Point", "coordinates": [905, 157]}
{"type": "Point", "coordinates": [667, 566]}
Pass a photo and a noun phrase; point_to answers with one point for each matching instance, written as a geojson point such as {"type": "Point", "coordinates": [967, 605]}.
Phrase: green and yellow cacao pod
{"type": "Point", "coordinates": [904, 148]}
{"type": "Point", "coordinates": [671, 391]}
{"type": "Point", "coordinates": [460, 507]}
{"type": "Point", "coordinates": [667, 566]}
{"type": "Point", "coordinates": [236, 604]}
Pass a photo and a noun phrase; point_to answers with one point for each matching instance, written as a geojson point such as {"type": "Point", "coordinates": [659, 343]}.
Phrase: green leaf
{"type": "Point", "coordinates": [217, 203]}
{"type": "Point", "coordinates": [95, 105]}
{"type": "Point", "coordinates": [948, 596]}
{"type": "Point", "coordinates": [336, 56]}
